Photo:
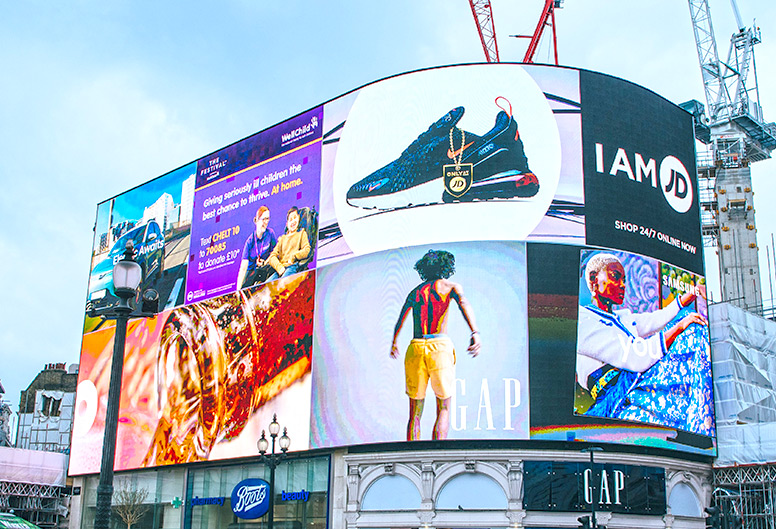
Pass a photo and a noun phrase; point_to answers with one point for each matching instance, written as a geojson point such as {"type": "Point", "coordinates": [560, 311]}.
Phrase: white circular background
{"type": "Point", "coordinates": [389, 115]}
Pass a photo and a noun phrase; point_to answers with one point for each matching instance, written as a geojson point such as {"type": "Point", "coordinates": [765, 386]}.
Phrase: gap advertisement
{"type": "Point", "coordinates": [439, 332]}
{"type": "Point", "coordinates": [407, 263]}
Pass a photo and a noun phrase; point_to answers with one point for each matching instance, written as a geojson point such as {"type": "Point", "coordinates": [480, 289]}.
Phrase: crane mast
{"type": "Point", "coordinates": [737, 135]}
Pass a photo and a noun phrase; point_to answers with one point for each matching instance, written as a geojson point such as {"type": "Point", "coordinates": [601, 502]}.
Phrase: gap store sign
{"type": "Point", "coordinates": [569, 486]}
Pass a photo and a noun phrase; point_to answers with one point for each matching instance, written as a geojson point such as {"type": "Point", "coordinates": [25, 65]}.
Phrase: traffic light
{"type": "Point", "coordinates": [713, 520]}
{"type": "Point", "coordinates": [734, 522]}
{"type": "Point", "coordinates": [584, 522]}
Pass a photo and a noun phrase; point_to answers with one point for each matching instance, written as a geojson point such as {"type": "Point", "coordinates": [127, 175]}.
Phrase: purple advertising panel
{"type": "Point", "coordinates": [242, 235]}
{"type": "Point", "coordinates": [289, 135]}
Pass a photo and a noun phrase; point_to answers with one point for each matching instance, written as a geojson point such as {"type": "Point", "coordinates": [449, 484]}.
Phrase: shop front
{"type": "Point", "coordinates": [531, 488]}
{"type": "Point", "coordinates": [217, 496]}
{"type": "Point", "coordinates": [225, 495]}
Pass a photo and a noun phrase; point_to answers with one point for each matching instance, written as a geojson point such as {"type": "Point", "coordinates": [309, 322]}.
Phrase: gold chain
{"type": "Point", "coordinates": [457, 158]}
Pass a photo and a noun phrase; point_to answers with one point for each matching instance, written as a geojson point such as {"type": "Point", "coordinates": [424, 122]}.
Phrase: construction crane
{"type": "Point", "coordinates": [733, 127]}
{"type": "Point", "coordinates": [483, 17]}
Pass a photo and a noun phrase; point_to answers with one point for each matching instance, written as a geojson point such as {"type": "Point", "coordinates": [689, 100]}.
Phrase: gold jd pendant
{"type": "Point", "coordinates": [457, 176]}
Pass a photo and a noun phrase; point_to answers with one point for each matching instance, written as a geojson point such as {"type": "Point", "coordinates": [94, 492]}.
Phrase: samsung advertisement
{"type": "Point", "coordinates": [478, 252]}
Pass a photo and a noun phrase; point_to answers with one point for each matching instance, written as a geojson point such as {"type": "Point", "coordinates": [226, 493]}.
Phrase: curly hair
{"type": "Point", "coordinates": [436, 264]}
{"type": "Point", "coordinates": [597, 263]}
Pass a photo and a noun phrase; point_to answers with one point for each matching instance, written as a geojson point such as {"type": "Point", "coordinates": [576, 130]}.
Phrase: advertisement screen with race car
{"type": "Point", "coordinates": [156, 218]}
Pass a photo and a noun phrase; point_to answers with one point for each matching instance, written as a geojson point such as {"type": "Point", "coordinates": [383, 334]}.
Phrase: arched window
{"type": "Point", "coordinates": [391, 493]}
{"type": "Point", "coordinates": [471, 491]}
{"type": "Point", "coordinates": [683, 501]}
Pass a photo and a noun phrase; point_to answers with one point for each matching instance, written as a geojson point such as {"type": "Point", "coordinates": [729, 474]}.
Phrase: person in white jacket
{"type": "Point", "coordinates": [609, 340]}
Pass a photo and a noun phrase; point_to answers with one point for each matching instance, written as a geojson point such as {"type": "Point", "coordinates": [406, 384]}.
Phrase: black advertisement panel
{"type": "Point", "coordinates": [641, 191]}
{"type": "Point", "coordinates": [574, 487]}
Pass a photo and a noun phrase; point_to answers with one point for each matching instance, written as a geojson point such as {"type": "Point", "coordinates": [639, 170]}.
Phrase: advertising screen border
{"type": "Point", "coordinates": [568, 211]}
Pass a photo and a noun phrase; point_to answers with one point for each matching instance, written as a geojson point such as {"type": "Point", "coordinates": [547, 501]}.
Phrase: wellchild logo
{"type": "Point", "coordinates": [674, 178]}
{"type": "Point", "coordinates": [250, 498]}
{"type": "Point", "coordinates": [301, 132]}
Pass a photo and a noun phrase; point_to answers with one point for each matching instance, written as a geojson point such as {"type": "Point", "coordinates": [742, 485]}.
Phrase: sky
{"type": "Point", "coordinates": [99, 97]}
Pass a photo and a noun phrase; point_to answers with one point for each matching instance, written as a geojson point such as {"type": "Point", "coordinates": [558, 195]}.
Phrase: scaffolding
{"type": "Point", "coordinates": [33, 486]}
{"type": "Point", "coordinates": [747, 491]}
{"type": "Point", "coordinates": [43, 505]}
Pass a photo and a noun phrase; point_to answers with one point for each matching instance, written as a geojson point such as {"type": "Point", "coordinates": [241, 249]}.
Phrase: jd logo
{"type": "Point", "coordinates": [458, 179]}
{"type": "Point", "coordinates": [675, 182]}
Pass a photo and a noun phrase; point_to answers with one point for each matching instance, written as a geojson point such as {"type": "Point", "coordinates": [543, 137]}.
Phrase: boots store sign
{"type": "Point", "coordinates": [566, 486]}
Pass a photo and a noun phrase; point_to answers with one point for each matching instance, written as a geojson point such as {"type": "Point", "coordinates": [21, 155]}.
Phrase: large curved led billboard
{"type": "Point", "coordinates": [488, 252]}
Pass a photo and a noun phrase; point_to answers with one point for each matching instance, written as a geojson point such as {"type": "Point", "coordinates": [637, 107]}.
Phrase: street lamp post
{"type": "Point", "coordinates": [591, 450]}
{"type": "Point", "coordinates": [127, 275]}
{"type": "Point", "coordinates": [272, 460]}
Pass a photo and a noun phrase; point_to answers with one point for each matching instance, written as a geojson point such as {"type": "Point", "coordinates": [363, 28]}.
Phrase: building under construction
{"type": "Point", "coordinates": [33, 473]}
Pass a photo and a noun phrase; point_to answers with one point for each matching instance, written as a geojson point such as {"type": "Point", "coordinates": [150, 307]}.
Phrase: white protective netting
{"type": "Point", "coordinates": [18, 465]}
{"type": "Point", "coordinates": [744, 363]}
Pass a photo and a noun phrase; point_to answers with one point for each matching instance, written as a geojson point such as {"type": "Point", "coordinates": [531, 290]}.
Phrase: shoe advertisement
{"type": "Point", "coordinates": [405, 137]}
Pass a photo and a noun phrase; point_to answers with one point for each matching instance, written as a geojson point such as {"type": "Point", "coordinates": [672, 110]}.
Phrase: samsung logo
{"type": "Point", "coordinates": [250, 498]}
{"type": "Point", "coordinates": [674, 178]}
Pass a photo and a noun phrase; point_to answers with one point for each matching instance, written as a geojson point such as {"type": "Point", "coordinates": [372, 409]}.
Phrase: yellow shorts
{"type": "Point", "coordinates": [430, 360]}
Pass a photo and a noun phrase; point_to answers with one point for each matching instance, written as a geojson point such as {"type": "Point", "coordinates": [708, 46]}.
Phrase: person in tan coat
{"type": "Point", "coordinates": [292, 247]}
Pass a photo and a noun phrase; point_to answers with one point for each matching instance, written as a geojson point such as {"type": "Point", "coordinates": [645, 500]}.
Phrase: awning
{"type": "Point", "coordinates": [9, 521]}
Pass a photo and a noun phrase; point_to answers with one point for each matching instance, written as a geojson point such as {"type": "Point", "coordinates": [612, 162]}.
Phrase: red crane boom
{"type": "Point", "coordinates": [547, 18]}
{"type": "Point", "coordinates": [483, 17]}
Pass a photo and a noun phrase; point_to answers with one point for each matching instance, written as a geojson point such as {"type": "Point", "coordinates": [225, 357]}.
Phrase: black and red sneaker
{"type": "Point", "coordinates": [500, 167]}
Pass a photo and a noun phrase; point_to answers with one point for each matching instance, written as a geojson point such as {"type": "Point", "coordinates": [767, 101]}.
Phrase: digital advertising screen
{"type": "Point", "coordinates": [412, 261]}
{"type": "Point", "coordinates": [242, 212]}
{"type": "Point", "coordinates": [619, 350]}
{"type": "Point", "coordinates": [157, 218]}
{"type": "Point", "coordinates": [363, 387]}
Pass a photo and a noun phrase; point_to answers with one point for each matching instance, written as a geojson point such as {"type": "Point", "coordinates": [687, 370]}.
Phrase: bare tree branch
{"type": "Point", "coordinates": [129, 504]}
